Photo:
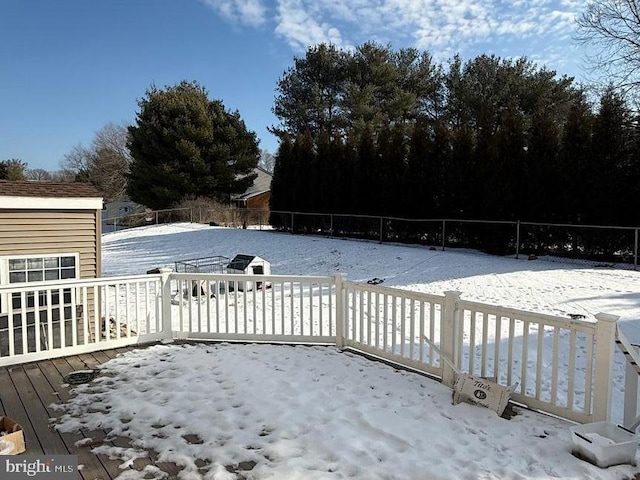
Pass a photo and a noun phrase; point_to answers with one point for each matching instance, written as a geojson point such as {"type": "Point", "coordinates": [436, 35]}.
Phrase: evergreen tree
{"type": "Point", "coordinates": [282, 182]}
{"type": "Point", "coordinates": [309, 93]}
{"type": "Point", "coordinates": [611, 155]}
{"type": "Point", "coordinates": [542, 177]}
{"type": "Point", "coordinates": [365, 177]}
{"type": "Point", "coordinates": [303, 156]}
{"type": "Point", "coordinates": [13, 169]}
{"type": "Point", "coordinates": [185, 144]}
{"type": "Point", "coordinates": [574, 163]}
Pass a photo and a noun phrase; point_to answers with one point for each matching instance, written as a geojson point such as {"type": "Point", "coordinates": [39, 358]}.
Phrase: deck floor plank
{"type": "Point", "coordinates": [105, 467]}
{"type": "Point", "coordinates": [92, 468]}
{"type": "Point", "coordinates": [88, 361]}
{"type": "Point", "coordinates": [15, 409]}
{"type": "Point", "coordinates": [95, 359]}
{"type": "Point", "coordinates": [49, 439]}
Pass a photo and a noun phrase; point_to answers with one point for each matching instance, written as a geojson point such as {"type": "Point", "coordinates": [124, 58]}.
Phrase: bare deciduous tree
{"type": "Point", "coordinates": [613, 28]}
{"type": "Point", "coordinates": [105, 164]}
{"type": "Point", "coordinates": [38, 175]}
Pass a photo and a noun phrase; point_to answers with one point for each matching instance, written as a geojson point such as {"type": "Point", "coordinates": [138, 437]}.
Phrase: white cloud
{"type": "Point", "coordinates": [247, 12]}
{"type": "Point", "coordinates": [296, 23]}
{"type": "Point", "coordinates": [505, 27]}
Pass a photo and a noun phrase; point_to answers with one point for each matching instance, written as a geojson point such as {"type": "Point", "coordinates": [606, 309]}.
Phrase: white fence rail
{"type": "Point", "coordinates": [436, 334]}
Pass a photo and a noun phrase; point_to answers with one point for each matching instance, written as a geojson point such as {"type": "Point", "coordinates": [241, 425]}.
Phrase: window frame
{"type": "Point", "coordinates": [5, 272]}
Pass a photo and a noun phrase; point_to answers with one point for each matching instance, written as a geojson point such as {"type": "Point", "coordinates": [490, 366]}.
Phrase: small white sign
{"type": "Point", "coordinates": [481, 391]}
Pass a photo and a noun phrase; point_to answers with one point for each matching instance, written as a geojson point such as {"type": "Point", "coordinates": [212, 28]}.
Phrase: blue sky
{"type": "Point", "coordinates": [69, 67]}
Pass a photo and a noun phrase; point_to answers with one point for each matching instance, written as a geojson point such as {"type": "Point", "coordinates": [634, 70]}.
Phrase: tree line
{"type": "Point", "coordinates": [392, 133]}
{"type": "Point", "coordinates": [379, 131]}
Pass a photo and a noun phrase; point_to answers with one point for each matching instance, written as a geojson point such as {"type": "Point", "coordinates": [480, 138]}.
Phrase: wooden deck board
{"type": "Point", "coordinates": [49, 439]}
{"type": "Point", "coordinates": [94, 466]}
{"type": "Point", "coordinates": [15, 409]}
{"type": "Point", "coordinates": [27, 392]}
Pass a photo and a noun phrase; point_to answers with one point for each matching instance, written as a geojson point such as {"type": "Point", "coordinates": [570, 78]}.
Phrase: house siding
{"type": "Point", "coordinates": [259, 202]}
{"type": "Point", "coordinates": [43, 232]}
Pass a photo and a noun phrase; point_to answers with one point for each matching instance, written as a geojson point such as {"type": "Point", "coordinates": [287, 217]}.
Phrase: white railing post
{"type": "Point", "coordinates": [165, 299]}
{"type": "Point", "coordinates": [340, 310]}
{"type": "Point", "coordinates": [605, 344]}
{"type": "Point", "coordinates": [630, 396]}
{"type": "Point", "coordinates": [448, 337]}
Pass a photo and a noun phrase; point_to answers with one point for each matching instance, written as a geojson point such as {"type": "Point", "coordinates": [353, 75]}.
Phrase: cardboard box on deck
{"type": "Point", "coordinates": [482, 391]}
{"type": "Point", "coordinates": [11, 437]}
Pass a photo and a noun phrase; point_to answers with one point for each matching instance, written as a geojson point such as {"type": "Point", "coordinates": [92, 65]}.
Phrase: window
{"type": "Point", "coordinates": [40, 269]}
{"type": "Point", "coordinates": [29, 269]}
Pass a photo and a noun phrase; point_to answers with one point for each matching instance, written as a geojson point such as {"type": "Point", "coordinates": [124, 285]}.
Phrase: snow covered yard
{"type": "Point", "coordinates": [258, 411]}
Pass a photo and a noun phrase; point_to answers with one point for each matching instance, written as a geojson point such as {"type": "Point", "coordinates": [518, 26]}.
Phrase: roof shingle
{"type": "Point", "coordinates": [48, 189]}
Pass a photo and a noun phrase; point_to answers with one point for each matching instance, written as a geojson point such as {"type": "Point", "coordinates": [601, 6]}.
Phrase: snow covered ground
{"type": "Point", "coordinates": [258, 411]}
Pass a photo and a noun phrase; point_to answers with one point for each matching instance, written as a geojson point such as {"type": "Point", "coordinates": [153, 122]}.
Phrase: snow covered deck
{"type": "Point", "coordinates": [29, 390]}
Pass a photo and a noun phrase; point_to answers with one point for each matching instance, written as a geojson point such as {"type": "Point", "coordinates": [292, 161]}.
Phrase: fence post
{"type": "Point", "coordinates": [517, 238]}
{"type": "Point", "coordinates": [340, 310]}
{"type": "Point", "coordinates": [605, 344]}
{"type": "Point", "coordinates": [165, 299]}
{"type": "Point", "coordinates": [381, 227]}
{"type": "Point", "coordinates": [449, 336]}
{"type": "Point", "coordinates": [292, 222]}
{"type": "Point", "coordinates": [331, 228]}
{"type": "Point", "coordinates": [444, 223]}
{"type": "Point", "coordinates": [156, 218]}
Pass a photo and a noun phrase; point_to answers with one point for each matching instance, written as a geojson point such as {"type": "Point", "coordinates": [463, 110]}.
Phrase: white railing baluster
{"type": "Point", "coordinates": [572, 368]}
{"type": "Point", "coordinates": [36, 319]}
{"type": "Point", "coordinates": [555, 365]}
{"type": "Point", "coordinates": [73, 319]}
{"type": "Point", "coordinates": [525, 356]}
{"type": "Point", "coordinates": [512, 328]}
{"type": "Point", "coordinates": [24, 320]}
{"type": "Point", "coordinates": [472, 342]}
{"type": "Point", "coordinates": [496, 342]}
{"type": "Point", "coordinates": [50, 339]}
{"type": "Point", "coordinates": [589, 374]}
{"type": "Point", "coordinates": [485, 344]}
{"type": "Point", "coordinates": [63, 332]}
{"type": "Point", "coordinates": [539, 361]}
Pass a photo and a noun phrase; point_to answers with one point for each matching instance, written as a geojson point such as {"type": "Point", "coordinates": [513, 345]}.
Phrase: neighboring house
{"type": "Point", "coordinates": [121, 208]}
{"type": "Point", "coordinates": [117, 210]}
{"type": "Point", "coordinates": [257, 196]}
{"type": "Point", "coordinates": [48, 231]}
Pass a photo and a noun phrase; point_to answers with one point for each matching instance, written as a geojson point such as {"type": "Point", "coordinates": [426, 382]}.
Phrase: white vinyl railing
{"type": "Point", "coordinates": [441, 335]}
{"type": "Point", "coordinates": [276, 308]}
{"type": "Point", "coordinates": [53, 319]}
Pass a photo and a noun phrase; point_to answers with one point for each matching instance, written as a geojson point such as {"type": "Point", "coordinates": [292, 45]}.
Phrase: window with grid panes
{"type": "Point", "coordinates": [41, 269]}
{"type": "Point", "coordinates": [38, 269]}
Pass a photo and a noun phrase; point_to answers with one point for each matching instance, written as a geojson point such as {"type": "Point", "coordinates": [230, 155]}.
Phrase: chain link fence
{"type": "Point", "coordinates": [593, 245]}
{"type": "Point", "coordinates": [590, 245]}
